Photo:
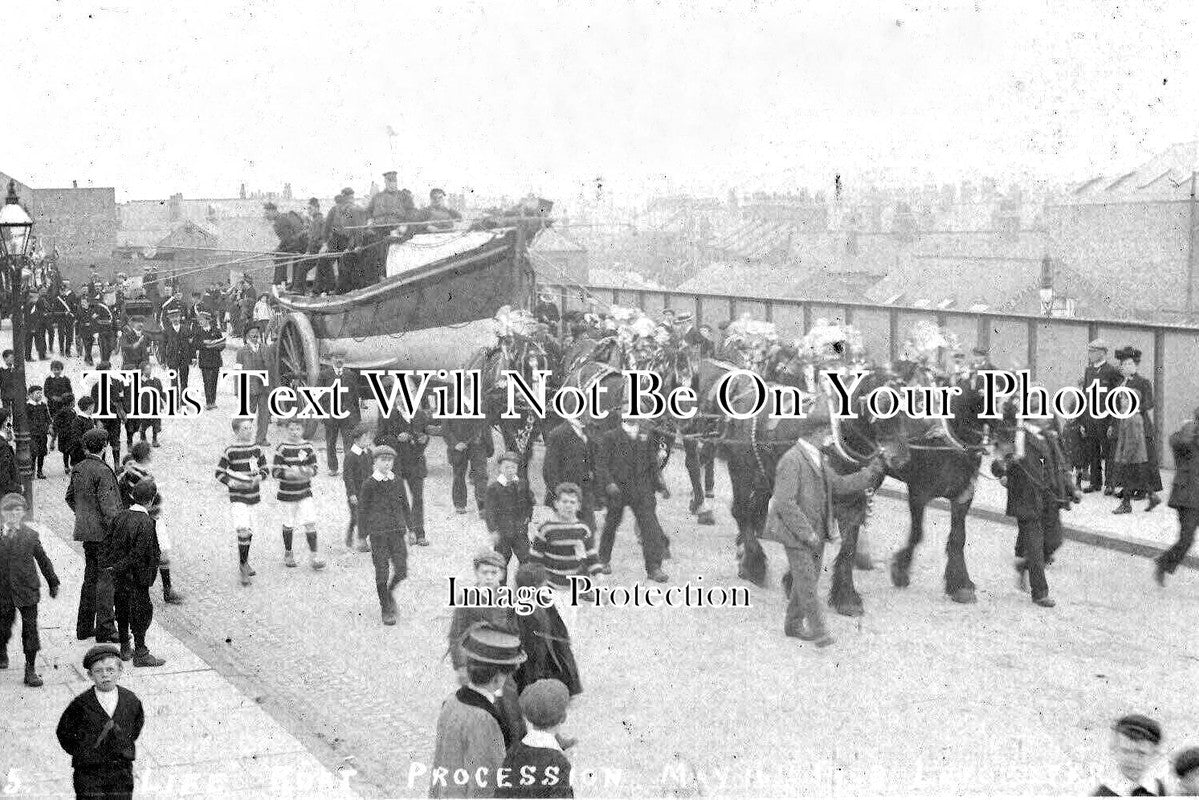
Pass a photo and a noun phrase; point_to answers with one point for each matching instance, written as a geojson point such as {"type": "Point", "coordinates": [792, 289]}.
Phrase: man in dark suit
{"type": "Point", "coordinates": [21, 555]}
{"type": "Point", "coordinates": [802, 517]}
{"type": "Point", "coordinates": [178, 346]}
{"type": "Point", "coordinates": [1038, 487]}
{"type": "Point", "coordinates": [134, 556]}
{"type": "Point", "coordinates": [348, 384]}
{"type": "Point", "coordinates": [409, 439]}
{"type": "Point", "coordinates": [99, 729]}
{"type": "Point", "coordinates": [468, 444]}
{"type": "Point", "coordinates": [10, 476]}
{"type": "Point", "coordinates": [8, 381]}
{"type": "Point", "coordinates": [1184, 497]}
{"type": "Point", "coordinates": [627, 467]}
{"type": "Point", "coordinates": [570, 458]}
{"type": "Point", "coordinates": [96, 500]}
{"type": "Point", "coordinates": [1096, 447]}
{"type": "Point", "coordinates": [35, 326]}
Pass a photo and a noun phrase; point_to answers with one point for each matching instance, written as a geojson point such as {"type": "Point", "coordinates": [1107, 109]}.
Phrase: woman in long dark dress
{"type": "Point", "coordinates": [1135, 453]}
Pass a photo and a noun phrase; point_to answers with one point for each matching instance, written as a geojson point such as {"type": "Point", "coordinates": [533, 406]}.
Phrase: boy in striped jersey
{"type": "Point", "coordinates": [565, 546]}
{"type": "Point", "coordinates": [242, 468]}
{"type": "Point", "coordinates": [134, 469]}
{"type": "Point", "coordinates": [294, 466]}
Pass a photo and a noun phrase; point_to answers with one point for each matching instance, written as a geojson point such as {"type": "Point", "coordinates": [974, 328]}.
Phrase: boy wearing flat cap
{"type": "Point", "coordinates": [134, 555]}
{"type": "Point", "coordinates": [1135, 744]}
{"type": "Point", "coordinates": [99, 729]}
{"type": "Point", "coordinates": [21, 556]}
{"type": "Point", "coordinates": [383, 519]}
{"type": "Point", "coordinates": [473, 730]}
{"type": "Point", "coordinates": [508, 509]}
{"type": "Point", "coordinates": [489, 567]}
{"type": "Point", "coordinates": [536, 766]}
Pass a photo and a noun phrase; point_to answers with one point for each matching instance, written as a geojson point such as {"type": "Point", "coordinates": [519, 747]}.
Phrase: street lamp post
{"type": "Point", "coordinates": [1046, 290]}
{"type": "Point", "coordinates": [15, 228]}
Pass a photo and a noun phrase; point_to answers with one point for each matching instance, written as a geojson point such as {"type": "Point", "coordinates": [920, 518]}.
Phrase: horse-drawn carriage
{"type": "Point", "coordinates": [433, 310]}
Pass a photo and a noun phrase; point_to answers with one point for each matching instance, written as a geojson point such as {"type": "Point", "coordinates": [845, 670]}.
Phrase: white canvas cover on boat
{"type": "Point", "coordinates": [427, 248]}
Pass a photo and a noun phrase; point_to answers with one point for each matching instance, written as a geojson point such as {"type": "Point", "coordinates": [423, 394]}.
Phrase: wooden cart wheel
{"type": "Point", "coordinates": [296, 360]}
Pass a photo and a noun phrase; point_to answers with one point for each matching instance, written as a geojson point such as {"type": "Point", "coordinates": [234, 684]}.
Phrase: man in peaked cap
{"type": "Point", "coordinates": [1096, 445]}
{"type": "Point", "coordinates": [474, 730]}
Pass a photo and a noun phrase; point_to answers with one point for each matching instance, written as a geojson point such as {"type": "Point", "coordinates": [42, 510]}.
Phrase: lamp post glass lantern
{"type": "Point", "coordinates": [15, 228]}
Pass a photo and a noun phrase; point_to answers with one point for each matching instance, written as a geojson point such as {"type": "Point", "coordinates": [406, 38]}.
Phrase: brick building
{"type": "Point", "coordinates": [80, 223]}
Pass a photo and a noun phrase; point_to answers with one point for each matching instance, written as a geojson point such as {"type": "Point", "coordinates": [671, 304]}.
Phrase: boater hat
{"type": "Point", "coordinates": [1140, 728]}
{"type": "Point", "coordinates": [486, 644]}
{"type": "Point", "coordinates": [1097, 344]}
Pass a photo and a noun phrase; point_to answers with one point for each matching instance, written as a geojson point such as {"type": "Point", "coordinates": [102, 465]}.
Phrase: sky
{"type": "Point", "coordinates": [603, 99]}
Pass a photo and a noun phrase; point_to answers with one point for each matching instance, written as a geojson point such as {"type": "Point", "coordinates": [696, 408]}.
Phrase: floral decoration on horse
{"type": "Point", "coordinates": [925, 345]}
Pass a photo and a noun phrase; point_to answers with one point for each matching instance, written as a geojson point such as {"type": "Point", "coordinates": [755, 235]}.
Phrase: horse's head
{"type": "Point", "coordinates": [861, 438]}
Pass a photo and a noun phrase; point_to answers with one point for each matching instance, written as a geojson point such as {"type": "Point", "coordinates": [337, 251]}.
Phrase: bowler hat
{"type": "Point", "coordinates": [383, 450]}
{"type": "Point", "coordinates": [99, 652]}
{"type": "Point", "coordinates": [1097, 344]}
{"type": "Point", "coordinates": [12, 500]}
{"type": "Point", "coordinates": [1139, 728]}
{"type": "Point", "coordinates": [543, 702]}
{"type": "Point", "coordinates": [484, 643]}
{"type": "Point", "coordinates": [489, 557]}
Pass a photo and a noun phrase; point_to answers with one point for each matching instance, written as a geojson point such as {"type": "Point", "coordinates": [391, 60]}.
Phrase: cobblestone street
{"type": "Point", "coordinates": [919, 696]}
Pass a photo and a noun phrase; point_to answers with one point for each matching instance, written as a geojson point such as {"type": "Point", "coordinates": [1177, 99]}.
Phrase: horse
{"type": "Point", "coordinates": [514, 355]}
{"type": "Point", "coordinates": [945, 465]}
{"type": "Point", "coordinates": [752, 448]}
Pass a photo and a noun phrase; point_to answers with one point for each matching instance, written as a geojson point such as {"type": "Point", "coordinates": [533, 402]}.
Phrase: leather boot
{"type": "Point", "coordinates": [31, 676]}
{"type": "Point", "coordinates": [1125, 507]}
{"type": "Point", "coordinates": [143, 658]}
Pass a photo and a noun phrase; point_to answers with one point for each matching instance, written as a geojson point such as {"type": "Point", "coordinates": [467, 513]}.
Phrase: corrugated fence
{"type": "Point", "coordinates": [1055, 350]}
